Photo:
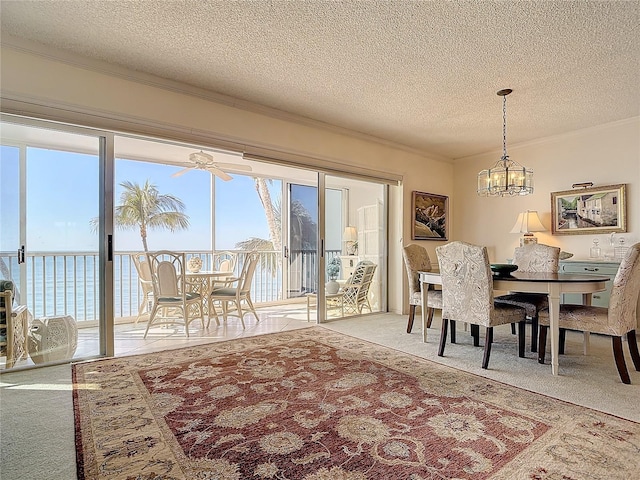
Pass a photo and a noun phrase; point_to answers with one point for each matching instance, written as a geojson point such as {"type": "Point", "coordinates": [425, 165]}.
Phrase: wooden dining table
{"type": "Point", "coordinates": [553, 284]}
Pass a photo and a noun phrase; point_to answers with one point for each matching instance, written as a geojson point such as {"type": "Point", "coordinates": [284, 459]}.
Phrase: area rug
{"type": "Point", "coordinates": [313, 404]}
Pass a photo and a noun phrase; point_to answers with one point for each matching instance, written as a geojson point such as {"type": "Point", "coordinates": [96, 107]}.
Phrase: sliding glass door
{"type": "Point", "coordinates": [50, 242]}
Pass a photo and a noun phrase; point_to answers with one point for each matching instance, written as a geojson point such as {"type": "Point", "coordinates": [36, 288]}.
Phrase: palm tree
{"type": "Point", "coordinates": [144, 208]}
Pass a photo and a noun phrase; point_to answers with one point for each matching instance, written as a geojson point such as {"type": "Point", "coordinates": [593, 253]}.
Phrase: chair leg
{"type": "Point", "coordinates": [475, 334]}
{"type": "Point", "coordinates": [618, 355]}
{"type": "Point", "coordinates": [521, 337]}
{"type": "Point", "coordinates": [542, 343]}
{"type": "Point", "coordinates": [443, 337]}
{"type": "Point", "coordinates": [152, 315]}
{"type": "Point", "coordinates": [633, 348]}
{"type": "Point", "coordinates": [453, 331]}
{"type": "Point", "coordinates": [534, 333]}
{"type": "Point", "coordinates": [253, 309]}
{"type": "Point", "coordinates": [412, 314]}
{"type": "Point", "coordinates": [488, 340]}
{"type": "Point", "coordinates": [561, 341]}
{"type": "Point", "coordinates": [430, 316]}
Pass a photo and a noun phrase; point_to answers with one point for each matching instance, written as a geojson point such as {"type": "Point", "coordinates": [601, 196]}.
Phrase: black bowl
{"type": "Point", "coordinates": [503, 269]}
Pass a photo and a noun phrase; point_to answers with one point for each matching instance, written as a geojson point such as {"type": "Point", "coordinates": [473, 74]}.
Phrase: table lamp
{"type": "Point", "coordinates": [527, 223]}
{"type": "Point", "coordinates": [350, 236]}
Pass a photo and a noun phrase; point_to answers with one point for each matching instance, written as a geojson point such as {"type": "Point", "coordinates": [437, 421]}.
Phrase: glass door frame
{"type": "Point", "coordinates": [105, 214]}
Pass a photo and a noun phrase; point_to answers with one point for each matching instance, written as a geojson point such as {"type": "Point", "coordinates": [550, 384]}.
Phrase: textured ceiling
{"type": "Point", "coordinates": [424, 74]}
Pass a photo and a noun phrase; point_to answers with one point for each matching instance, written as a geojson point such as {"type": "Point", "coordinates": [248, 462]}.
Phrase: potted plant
{"type": "Point", "coordinates": [333, 270]}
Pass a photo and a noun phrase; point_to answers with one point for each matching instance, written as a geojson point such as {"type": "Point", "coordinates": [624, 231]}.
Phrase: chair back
{"type": "Point", "coordinates": [623, 301]}
{"type": "Point", "coordinates": [537, 257]}
{"type": "Point", "coordinates": [141, 263]}
{"type": "Point", "coordinates": [226, 261]}
{"type": "Point", "coordinates": [357, 288]}
{"type": "Point", "coordinates": [167, 273]}
{"type": "Point", "coordinates": [248, 270]}
{"type": "Point", "coordinates": [467, 285]}
{"type": "Point", "coordinates": [416, 259]}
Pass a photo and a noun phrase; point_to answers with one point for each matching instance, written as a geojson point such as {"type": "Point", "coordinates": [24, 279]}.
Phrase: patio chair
{"type": "Point", "coordinates": [225, 262]}
{"type": "Point", "coordinates": [618, 320]}
{"type": "Point", "coordinates": [532, 258]}
{"type": "Point", "coordinates": [355, 293]}
{"type": "Point", "coordinates": [232, 298]}
{"type": "Point", "coordinates": [416, 259]}
{"type": "Point", "coordinates": [13, 326]}
{"type": "Point", "coordinates": [144, 277]}
{"type": "Point", "coordinates": [467, 296]}
{"type": "Point", "coordinates": [171, 294]}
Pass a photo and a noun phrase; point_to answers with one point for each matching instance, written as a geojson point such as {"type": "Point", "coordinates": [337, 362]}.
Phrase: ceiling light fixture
{"type": "Point", "coordinates": [506, 177]}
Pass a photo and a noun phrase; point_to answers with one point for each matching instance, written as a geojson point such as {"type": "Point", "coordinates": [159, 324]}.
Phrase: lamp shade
{"type": "Point", "coordinates": [350, 234]}
{"type": "Point", "coordinates": [528, 222]}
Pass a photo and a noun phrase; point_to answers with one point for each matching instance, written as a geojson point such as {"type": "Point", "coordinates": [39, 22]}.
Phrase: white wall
{"type": "Point", "coordinates": [605, 155]}
{"type": "Point", "coordinates": [52, 85]}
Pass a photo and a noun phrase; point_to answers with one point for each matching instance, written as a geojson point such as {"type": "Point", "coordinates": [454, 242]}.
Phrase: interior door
{"type": "Point", "coordinates": [50, 242]}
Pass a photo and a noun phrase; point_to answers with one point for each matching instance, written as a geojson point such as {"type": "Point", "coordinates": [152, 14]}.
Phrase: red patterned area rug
{"type": "Point", "coordinates": [313, 404]}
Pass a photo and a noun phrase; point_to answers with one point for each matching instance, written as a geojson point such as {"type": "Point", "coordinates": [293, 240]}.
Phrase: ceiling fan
{"type": "Point", "coordinates": [205, 161]}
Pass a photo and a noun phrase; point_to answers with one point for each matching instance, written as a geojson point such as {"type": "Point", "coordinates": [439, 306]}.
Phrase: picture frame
{"type": "Point", "coordinates": [429, 216]}
{"type": "Point", "coordinates": [592, 210]}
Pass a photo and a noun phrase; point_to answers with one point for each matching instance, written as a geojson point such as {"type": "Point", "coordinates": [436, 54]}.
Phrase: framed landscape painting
{"type": "Point", "coordinates": [591, 210]}
{"type": "Point", "coordinates": [429, 216]}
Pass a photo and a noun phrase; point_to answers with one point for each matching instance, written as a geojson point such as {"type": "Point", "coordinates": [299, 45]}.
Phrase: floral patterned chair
{"type": "Point", "coordinates": [532, 258]}
{"type": "Point", "coordinates": [467, 296]}
{"type": "Point", "coordinates": [416, 259]}
{"type": "Point", "coordinates": [616, 320]}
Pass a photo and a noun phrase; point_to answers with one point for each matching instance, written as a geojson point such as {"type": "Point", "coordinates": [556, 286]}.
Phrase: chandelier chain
{"type": "Point", "coordinates": [504, 126]}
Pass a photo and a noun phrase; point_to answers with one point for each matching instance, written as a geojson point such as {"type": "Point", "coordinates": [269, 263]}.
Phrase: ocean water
{"type": "Point", "coordinates": [59, 284]}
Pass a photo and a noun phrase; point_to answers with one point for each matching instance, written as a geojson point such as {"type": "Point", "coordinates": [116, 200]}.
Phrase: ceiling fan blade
{"type": "Point", "coordinates": [234, 166]}
{"type": "Point", "coordinates": [220, 174]}
{"type": "Point", "coordinates": [182, 172]}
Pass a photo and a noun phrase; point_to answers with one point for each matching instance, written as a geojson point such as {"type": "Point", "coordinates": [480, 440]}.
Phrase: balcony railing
{"type": "Point", "coordinates": [64, 283]}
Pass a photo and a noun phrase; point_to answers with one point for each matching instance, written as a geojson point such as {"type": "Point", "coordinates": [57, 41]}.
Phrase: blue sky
{"type": "Point", "coordinates": [63, 198]}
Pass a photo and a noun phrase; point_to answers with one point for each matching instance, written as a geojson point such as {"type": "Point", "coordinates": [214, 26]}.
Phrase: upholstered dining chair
{"type": "Point", "coordinates": [467, 296]}
{"type": "Point", "coordinates": [532, 258]}
{"type": "Point", "coordinates": [172, 296]}
{"type": "Point", "coordinates": [416, 259]}
{"type": "Point", "coordinates": [617, 320]}
{"type": "Point", "coordinates": [233, 298]}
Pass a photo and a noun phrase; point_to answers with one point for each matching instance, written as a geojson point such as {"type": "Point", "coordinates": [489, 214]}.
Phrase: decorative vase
{"type": "Point", "coordinates": [331, 287]}
{"type": "Point", "coordinates": [194, 264]}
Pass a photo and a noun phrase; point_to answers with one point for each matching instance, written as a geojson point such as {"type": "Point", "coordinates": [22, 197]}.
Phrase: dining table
{"type": "Point", "coordinates": [553, 284]}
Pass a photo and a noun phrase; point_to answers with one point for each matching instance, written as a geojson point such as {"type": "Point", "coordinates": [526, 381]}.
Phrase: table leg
{"type": "Point", "coordinates": [423, 310]}
{"type": "Point", "coordinates": [586, 300]}
{"type": "Point", "coordinates": [554, 327]}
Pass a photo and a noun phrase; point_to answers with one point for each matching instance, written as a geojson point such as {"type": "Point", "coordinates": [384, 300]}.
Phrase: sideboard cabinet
{"type": "Point", "coordinates": [590, 267]}
{"type": "Point", "coordinates": [593, 267]}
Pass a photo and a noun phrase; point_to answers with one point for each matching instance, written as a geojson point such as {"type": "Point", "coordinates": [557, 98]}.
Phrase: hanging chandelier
{"type": "Point", "coordinates": [506, 177]}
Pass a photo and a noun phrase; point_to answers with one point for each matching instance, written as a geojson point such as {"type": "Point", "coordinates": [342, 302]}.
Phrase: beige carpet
{"type": "Point", "coordinates": [317, 404]}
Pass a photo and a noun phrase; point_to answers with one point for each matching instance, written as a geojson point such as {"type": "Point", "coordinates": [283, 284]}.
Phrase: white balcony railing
{"type": "Point", "coordinates": [67, 283]}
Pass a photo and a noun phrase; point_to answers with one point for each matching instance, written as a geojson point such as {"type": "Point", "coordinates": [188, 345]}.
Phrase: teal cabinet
{"type": "Point", "coordinates": [590, 267]}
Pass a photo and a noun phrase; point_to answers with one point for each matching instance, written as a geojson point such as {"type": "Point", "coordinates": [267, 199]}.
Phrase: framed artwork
{"type": "Point", "coordinates": [591, 210]}
{"type": "Point", "coordinates": [429, 216]}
